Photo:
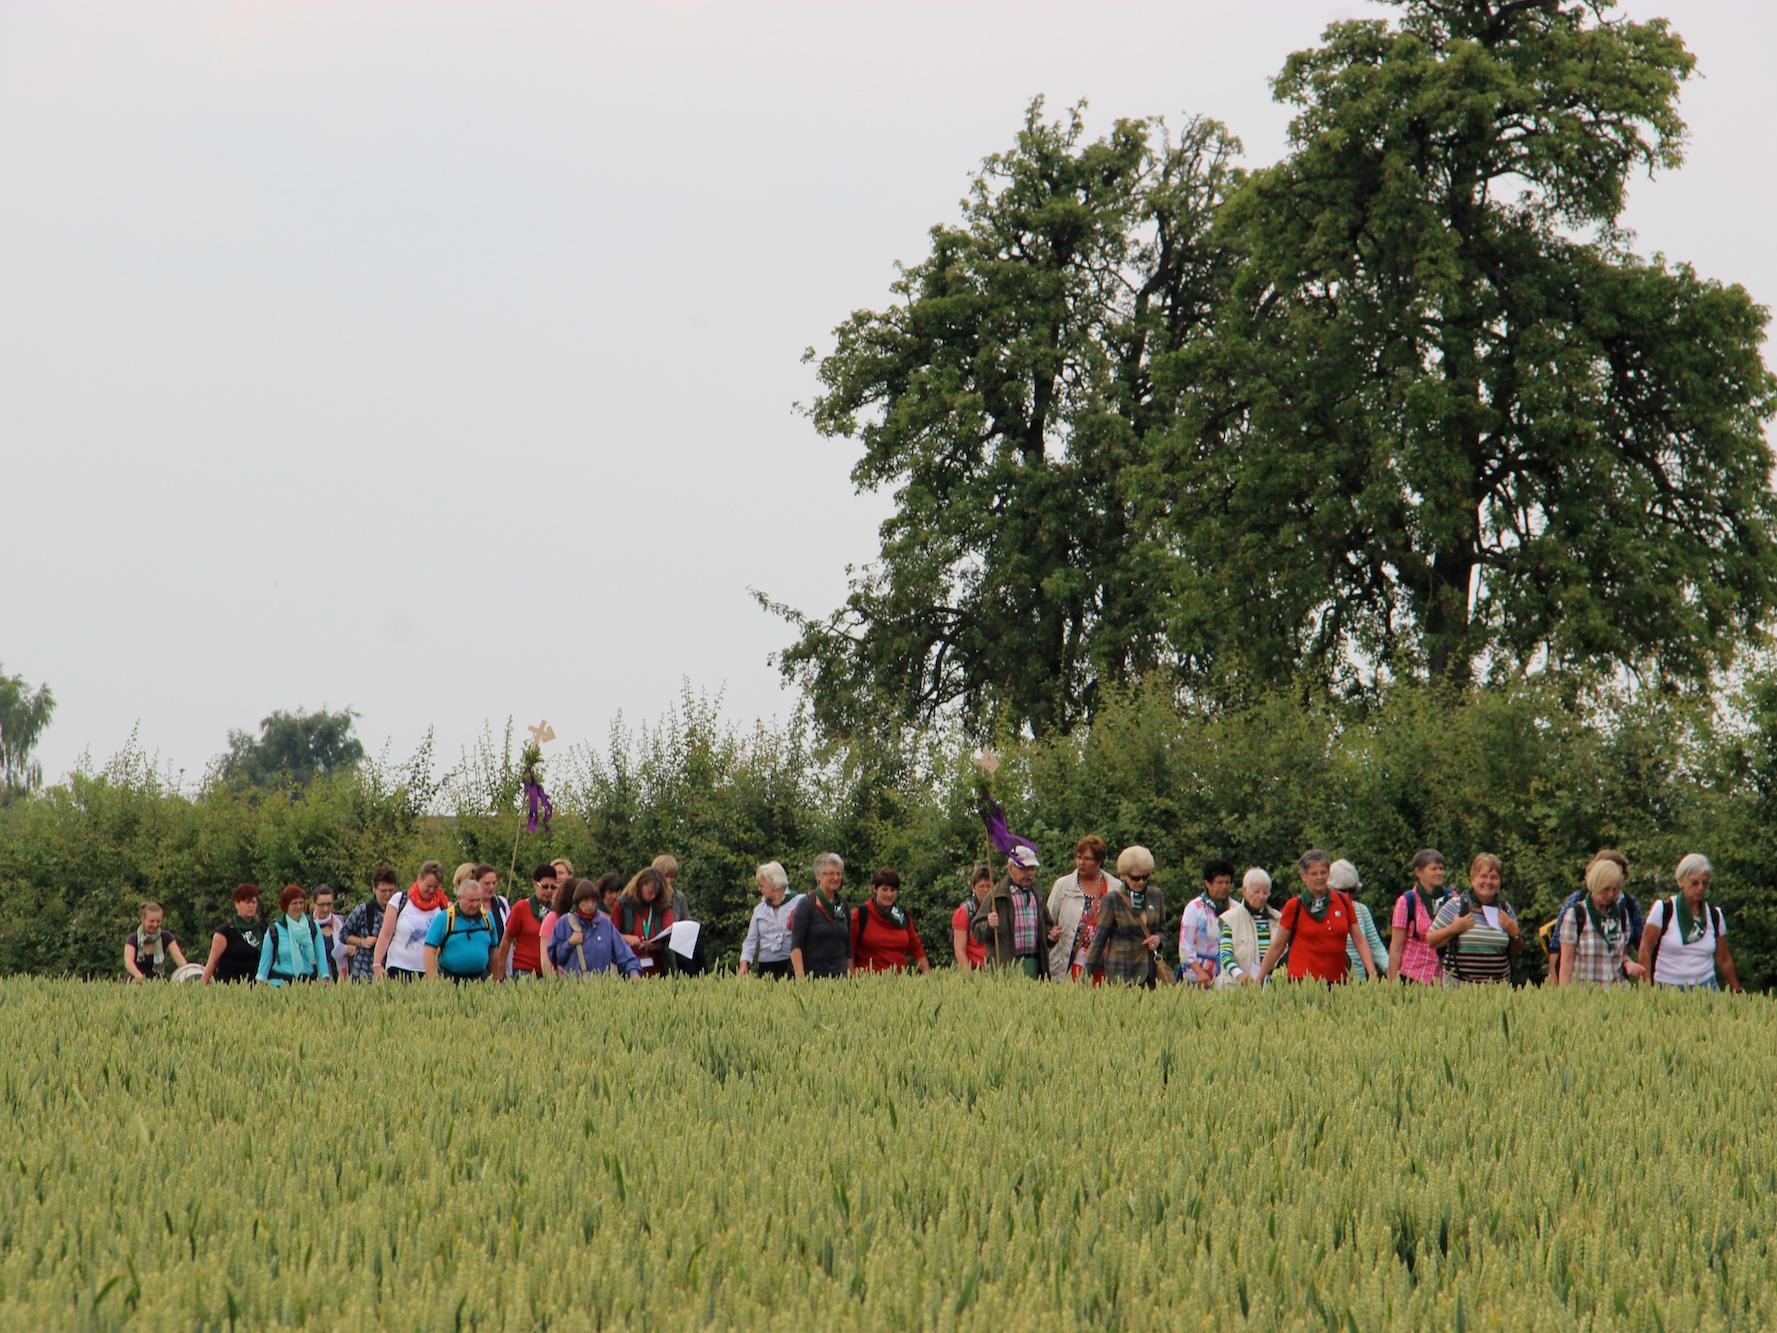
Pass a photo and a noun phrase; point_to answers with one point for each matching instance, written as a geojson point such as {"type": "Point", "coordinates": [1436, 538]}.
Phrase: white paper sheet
{"type": "Point", "coordinates": [1492, 915]}
{"type": "Point", "coordinates": [684, 940]}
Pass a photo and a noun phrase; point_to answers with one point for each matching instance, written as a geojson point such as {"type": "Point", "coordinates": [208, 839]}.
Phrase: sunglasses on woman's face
{"type": "Point", "coordinates": [1137, 879]}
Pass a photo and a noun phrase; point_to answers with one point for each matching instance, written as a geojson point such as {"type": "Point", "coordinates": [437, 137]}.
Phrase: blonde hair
{"type": "Point", "coordinates": [1487, 859]}
{"type": "Point", "coordinates": [562, 863]}
{"type": "Point", "coordinates": [464, 871]}
{"type": "Point", "coordinates": [1135, 861]}
{"type": "Point", "coordinates": [1603, 873]}
{"type": "Point", "coordinates": [1694, 864]}
{"type": "Point", "coordinates": [666, 863]}
{"type": "Point", "coordinates": [152, 909]}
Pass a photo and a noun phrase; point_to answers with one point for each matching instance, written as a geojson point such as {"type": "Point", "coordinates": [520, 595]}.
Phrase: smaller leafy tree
{"type": "Point", "coordinates": [24, 714]}
{"type": "Point", "coordinates": [292, 749]}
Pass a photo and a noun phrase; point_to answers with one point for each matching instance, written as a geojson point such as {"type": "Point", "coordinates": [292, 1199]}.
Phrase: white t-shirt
{"type": "Point", "coordinates": [1681, 964]}
{"type": "Point", "coordinates": [407, 948]}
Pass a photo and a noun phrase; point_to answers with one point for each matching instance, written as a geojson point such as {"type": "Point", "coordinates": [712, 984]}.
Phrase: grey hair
{"type": "Point", "coordinates": [1343, 876]}
{"type": "Point", "coordinates": [773, 873]}
{"type": "Point", "coordinates": [1135, 861]}
{"type": "Point", "coordinates": [1313, 856]}
{"type": "Point", "coordinates": [826, 859]}
{"type": "Point", "coordinates": [1694, 864]}
{"type": "Point", "coordinates": [1427, 856]}
{"type": "Point", "coordinates": [1255, 876]}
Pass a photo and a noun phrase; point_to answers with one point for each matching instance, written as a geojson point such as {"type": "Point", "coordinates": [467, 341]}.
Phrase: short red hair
{"type": "Point", "coordinates": [246, 892]}
{"type": "Point", "coordinates": [290, 893]}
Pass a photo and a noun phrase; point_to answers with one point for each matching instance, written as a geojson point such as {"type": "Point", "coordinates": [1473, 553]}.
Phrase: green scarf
{"type": "Point", "coordinates": [1315, 907]}
{"type": "Point", "coordinates": [297, 928]}
{"type": "Point", "coordinates": [1690, 928]}
{"type": "Point", "coordinates": [540, 909]}
{"type": "Point", "coordinates": [249, 930]}
{"type": "Point", "coordinates": [828, 905]}
{"type": "Point", "coordinates": [1610, 928]}
{"type": "Point", "coordinates": [895, 916]}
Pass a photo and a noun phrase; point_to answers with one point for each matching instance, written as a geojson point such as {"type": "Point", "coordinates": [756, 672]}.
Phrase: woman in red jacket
{"type": "Point", "coordinates": [882, 935]}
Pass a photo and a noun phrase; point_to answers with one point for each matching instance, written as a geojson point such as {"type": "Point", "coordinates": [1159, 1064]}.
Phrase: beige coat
{"type": "Point", "coordinates": [1247, 957]}
{"type": "Point", "coordinates": [1067, 904]}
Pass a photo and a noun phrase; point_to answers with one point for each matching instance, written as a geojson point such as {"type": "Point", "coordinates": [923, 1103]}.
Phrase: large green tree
{"type": "Point", "coordinates": [1405, 404]}
{"type": "Point", "coordinates": [24, 713]}
{"type": "Point", "coordinates": [292, 749]}
{"type": "Point", "coordinates": [1466, 428]}
{"type": "Point", "coordinates": [1003, 396]}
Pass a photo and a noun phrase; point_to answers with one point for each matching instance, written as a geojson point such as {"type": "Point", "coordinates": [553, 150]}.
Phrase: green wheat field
{"type": "Point", "coordinates": [889, 1152]}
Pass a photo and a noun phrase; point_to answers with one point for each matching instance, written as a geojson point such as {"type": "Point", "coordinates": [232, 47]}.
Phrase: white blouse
{"type": "Point", "coordinates": [1680, 964]}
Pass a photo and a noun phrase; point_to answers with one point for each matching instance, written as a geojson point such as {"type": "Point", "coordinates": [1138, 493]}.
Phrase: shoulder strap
{"type": "Point", "coordinates": [272, 935]}
{"type": "Point", "coordinates": [1716, 912]}
{"type": "Point", "coordinates": [858, 921]}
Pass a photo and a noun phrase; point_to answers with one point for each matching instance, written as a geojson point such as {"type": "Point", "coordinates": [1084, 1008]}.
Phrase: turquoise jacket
{"type": "Point", "coordinates": [279, 946]}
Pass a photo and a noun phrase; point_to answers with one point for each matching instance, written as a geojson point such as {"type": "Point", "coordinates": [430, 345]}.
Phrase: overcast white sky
{"type": "Point", "coordinates": [438, 359]}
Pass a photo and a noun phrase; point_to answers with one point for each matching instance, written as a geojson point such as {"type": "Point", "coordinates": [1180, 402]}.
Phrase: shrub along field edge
{"type": "Point", "coordinates": [1522, 772]}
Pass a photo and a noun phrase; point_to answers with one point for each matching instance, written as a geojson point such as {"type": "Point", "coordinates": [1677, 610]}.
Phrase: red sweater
{"type": "Point", "coordinates": [525, 930]}
{"type": "Point", "coordinates": [879, 945]}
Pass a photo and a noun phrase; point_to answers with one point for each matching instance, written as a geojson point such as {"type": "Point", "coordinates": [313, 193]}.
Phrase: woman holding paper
{"type": "Point", "coordinates": [1478, 930]}
{"type": "Point", "coordinates": [645, 920]}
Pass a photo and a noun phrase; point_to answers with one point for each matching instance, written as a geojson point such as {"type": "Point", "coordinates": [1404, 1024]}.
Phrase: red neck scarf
{"type": "Point", "coordinates": [421, 901]}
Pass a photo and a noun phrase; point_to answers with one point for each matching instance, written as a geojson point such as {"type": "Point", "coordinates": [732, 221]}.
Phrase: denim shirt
{"type": "Point", "coordinates": [768, 933]}
{"type": "Point", "coordinates": [603, 946]}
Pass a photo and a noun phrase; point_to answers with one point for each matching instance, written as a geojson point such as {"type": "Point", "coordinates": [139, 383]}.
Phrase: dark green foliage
{"type": "Point", "coordinates": [1005, 397]}
{"type": "Point", "coordinates": [292, 749]}
{"type": "Point", "coordinates": [1464, 425]}
{"type": "Point", "coordinates": [1404, 405]}
{"type": "Point", "coordinates": [1523, 772]}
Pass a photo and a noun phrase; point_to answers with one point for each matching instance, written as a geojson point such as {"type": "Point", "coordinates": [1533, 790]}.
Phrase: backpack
{"type": "Point", "coordinates": [1413, 910]}
{"type": "Point", "coordinates": [450, 924]}
{"type": "Point", "coordinates": [314, 938]}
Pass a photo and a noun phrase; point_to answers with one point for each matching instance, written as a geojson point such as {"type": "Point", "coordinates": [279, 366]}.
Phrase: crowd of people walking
{"type": "Point", "coordinates": [1092, 926]}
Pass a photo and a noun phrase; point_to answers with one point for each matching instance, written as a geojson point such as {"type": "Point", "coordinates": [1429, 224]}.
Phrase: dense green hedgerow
{"type": "Point", "coordinates": [1524, 773]}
